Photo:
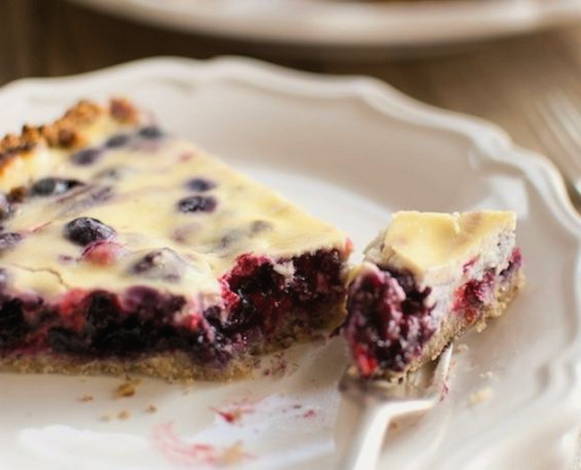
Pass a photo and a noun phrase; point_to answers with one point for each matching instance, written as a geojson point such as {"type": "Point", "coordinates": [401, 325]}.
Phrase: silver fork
{"type": "Point", "coordinates": [381, 401]}
{"type": "Point", "coordinates": [559, 128]}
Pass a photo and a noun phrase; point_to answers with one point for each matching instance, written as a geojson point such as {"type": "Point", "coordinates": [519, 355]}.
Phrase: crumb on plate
{"type": "Point", "coordinates": [481, 396]}
{"type": "Point", "coordinates": [123, 415]}
{"type": "Point", "coordinates": [126, 389]}
{"type": "Point", "coordinates": [232, 455]}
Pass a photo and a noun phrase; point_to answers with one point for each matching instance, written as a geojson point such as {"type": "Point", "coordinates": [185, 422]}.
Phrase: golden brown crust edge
{"type": "Point", "coordinates": [66, 132]}
{"type": "Point", "coordinates": [172, 367]}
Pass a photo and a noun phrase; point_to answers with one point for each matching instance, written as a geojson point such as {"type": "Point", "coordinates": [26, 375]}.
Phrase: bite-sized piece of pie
{"type": "Point", "coordinates": [125, 249]}
{"type": "Point", "coordinates": [425, 280]}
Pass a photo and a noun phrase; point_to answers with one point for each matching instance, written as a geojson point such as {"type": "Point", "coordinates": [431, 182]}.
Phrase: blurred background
{"type": "Point", "coordinates": [514, 62]}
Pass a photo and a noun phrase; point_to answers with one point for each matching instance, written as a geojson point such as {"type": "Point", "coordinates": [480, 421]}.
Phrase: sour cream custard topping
{"type": "Point", "coordinates": [434, 245]}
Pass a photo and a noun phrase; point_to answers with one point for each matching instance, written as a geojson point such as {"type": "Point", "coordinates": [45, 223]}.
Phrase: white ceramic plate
{"type": "Point", "coordinates": [350, 150]}
{"type": "Point", "coordinates": [397, 24]}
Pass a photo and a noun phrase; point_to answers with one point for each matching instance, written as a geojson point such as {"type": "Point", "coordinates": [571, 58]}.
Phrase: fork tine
{"type": "Point", "coordinates": [558, 123]}
{"type": "Point", "coordinates": [551, 121]}
{"type": "Point", "coordinates": [568, 117]}
{"type": "Point", "coordinates": [363, 447]}
{"type": "Point", "coordinates": [442, 369]}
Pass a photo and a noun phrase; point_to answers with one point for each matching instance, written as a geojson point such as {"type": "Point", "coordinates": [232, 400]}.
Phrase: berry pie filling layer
{"type": "Point", "coordinates": [425, 280]}
{"type": "Point", "coordinates": [123, 248]}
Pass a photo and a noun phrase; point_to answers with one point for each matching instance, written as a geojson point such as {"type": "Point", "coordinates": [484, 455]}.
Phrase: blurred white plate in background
{"type": "Point", "coordinates": [350, 151]}
{"type": "Point", "coordinates": [397, 24]}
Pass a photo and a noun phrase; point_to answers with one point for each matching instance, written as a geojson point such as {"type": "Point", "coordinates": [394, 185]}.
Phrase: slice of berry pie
{"type": "Point", "coordinates": [425, 280]}
{"type": "Point", "coordinates": [125, 249]}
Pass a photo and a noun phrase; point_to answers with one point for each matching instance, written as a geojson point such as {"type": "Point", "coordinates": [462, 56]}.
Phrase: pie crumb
{"type": "Point", "coordinates": [123, 415]}
{"type": "Point", "coordinates": [232, 455]}
{"type": "Point", "coordinates": [151, 409]}
{"type": "Point", "coordinates": [462, 348]}
{"type": "Point", "coordinates": [480, 396]}
{"type": "Point", "coordinates": [126, 389]}
{"type": "Point", "coordinates": [86, 398]}
{"type": "Point", "coordinates": [487, 375]}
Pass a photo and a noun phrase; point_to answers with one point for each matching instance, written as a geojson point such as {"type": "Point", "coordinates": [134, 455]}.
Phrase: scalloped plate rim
{"type": "Point", "coordinates": [489, 141]}
{"type": "Point", "coordinates": [392, 24]}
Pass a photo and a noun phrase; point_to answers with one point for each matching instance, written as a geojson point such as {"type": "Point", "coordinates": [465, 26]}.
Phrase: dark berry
{"type": "Point", "coordinates": [53, 186]}
{"type": "Point", "coordinates": [85, 230]}
{"type": "Point", "coordinates": [259, 226]}
{"type": "Point", "coordinates": [164, 264]}
{"type": "Point", "coordinates": [13, 325]}
{"type": "Point", "coordinates": [6, 208]}
{"type": "Point", "coordinates": [86, 156]}
{"type": "Point", "coordinates": [230, 238]}
{"type": "Point", "coordinates": [197, 204]}
{"type": "Point", "coordinates": [63, 340]}
{"type": "Point", "coordinates": [200, 184]}
{"type": "Point", "coordinates": [150, 132]}
{"type": "Point", "coordinates": [114, 173]}
{"type": "Point", "coordinates": [117, 141]}
{"type": "Point", "coordinates": [9, 239]}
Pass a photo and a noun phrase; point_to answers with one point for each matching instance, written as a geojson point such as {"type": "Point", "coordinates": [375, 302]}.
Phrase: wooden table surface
{"type": "Point", "coordinates": [499, 80]}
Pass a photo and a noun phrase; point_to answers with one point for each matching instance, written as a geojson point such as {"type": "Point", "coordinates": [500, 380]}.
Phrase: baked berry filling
{"type": "Point", "coordinates": [259, 298]}
{"type": "Point", "coordinates": [264, 292]}
{"type": "Point", "coordinates": [389, 321]}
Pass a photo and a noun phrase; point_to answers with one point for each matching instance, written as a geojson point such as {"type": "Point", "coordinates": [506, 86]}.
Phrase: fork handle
{"type": "Point", "coordinates": [363, 448]}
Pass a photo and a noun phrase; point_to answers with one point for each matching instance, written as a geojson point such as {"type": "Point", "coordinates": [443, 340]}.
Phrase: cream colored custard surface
{"type": "Point", "coordinates": [437, 245]}
{"type": "Point", "coordinates": [160, 196]}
